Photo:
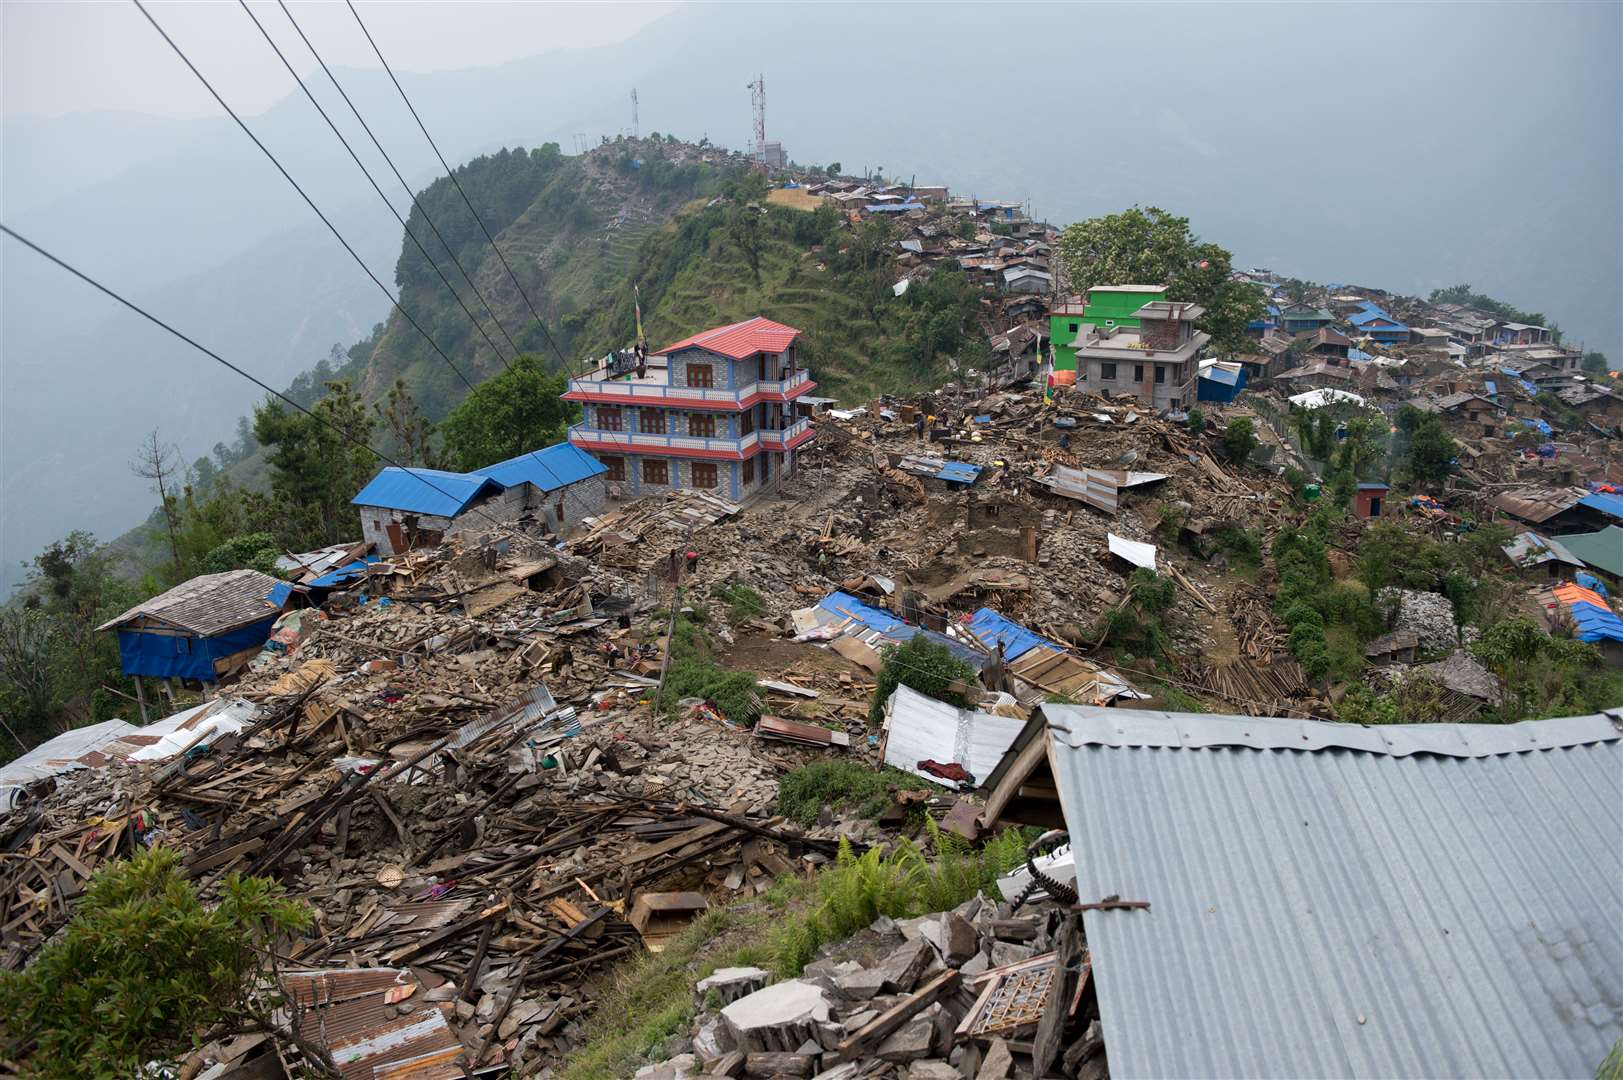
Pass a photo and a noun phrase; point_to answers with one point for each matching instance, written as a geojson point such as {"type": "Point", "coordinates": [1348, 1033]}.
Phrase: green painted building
{"type": "Point", "coordinates": [1105, 305]}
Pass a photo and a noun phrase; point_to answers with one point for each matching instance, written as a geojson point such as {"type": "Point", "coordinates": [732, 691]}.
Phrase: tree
{"type": "Point", "coordinates": [1595, 363]}
{"type": "Point", "coordinates": [1197, 421]}
{"type": "Point", "coordinates": [1239, 439]}
{"type": "Point", "coordinates": [922, 665]}
{"type": "Point", "coordinates": [412, 432]}
{"type": "Point", "coordinates": [144, 969]}
{"type": "Point", "coordinates": [318, 462]}
{"type": "Point", "coordinates": [1430, 453]}
{"type": "Point", "coordinates": [159, 462]}
{"type": "Point", "coordinates": [1149, 245]}
{"type": "Point", "coordinates": [514, 412]}
{"type": "Point", "coordinates": [833, 170]}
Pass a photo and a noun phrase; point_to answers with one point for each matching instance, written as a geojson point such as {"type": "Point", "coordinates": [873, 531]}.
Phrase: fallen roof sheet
{"type": "Point", "coordinates": [76, 748]}
{"type": "Point", "coordinates": [992, 628]}
{"type": "Point", "coordinates": [210, 604]}
{"type": "Point", "coordinates": [1396, 901]}
{"type": "Point", "coordinates": [1134, 551]}
{"type": "Point", "coordinates": [1531, 549]}
{"type": "Point", "coordinates": [919, 728]}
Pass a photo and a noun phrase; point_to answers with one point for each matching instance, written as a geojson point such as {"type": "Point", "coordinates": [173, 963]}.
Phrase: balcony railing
{"type": "Point", "coordinates": [777, 440]}
{"type": "Point", "coordinates": [632, 441]}
{"type": "Point", "coordinates": [657, 392]}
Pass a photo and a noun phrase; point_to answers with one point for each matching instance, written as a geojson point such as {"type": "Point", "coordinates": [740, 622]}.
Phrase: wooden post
{"type": "Point", "coordinates": [141, 699]}
{"type": "Point", "coordinates": [1028, 542]}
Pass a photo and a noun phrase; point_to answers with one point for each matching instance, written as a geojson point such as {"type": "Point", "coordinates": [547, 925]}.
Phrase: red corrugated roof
{"type": "Point", "coordinates": [740, 339]}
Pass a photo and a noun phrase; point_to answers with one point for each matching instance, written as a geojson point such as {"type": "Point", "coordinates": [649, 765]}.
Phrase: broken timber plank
{"type": "Point", "coordinates": [877, 1029]}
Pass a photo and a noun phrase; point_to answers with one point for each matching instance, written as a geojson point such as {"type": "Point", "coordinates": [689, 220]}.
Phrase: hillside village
{"type": "Point", "coordinates": [918, 736]}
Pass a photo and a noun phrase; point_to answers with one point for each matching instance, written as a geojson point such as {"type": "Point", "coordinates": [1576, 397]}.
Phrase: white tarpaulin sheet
{"type": "Point", "coordinates": [1314, 399]}
{"type": "Point", "coordinates": [920, 728]}
{"type": "Point", "coordinates": [1139, 554]}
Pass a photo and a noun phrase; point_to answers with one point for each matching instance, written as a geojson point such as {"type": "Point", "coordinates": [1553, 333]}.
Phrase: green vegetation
{"type": "Point", "coordinates": [1544, 675]}
{"type": "Point", "coordinates": [804, 791]}
{"type": "Point", "coordinates": [1242, 546]}
{"type": "Point", "coordinates": [924, 666]}
{"type": "Point", "coordinates": [743, 601]}
{"type": "Point", "coordinates": [693, 674]}
{"type": "Point", "coordinates": [315, 470]}
{"type": "Point", "coordinates": [856, 890]}
{"type": "Point", "coordinates": [1239, 439]}
{"type": "Point", "coordinates": [1328, 620]}
{"type": "Point", "coordinates": [1149, 245]}
{"type": "Point", "coordinates": [143, 969]}
{"type": "Point", "coordinates": [1426, 447]}
{"type": "Point", "coordinates": [1595, 363]}
{"type": "Point", "coordinates": [1468, 571]}
{"type": "Point", "coordinates": [1464, 294]}
{"type": "Point", "coordinates": [1135, 627]}
{"type": "Point", "coordinates": [507, 415]}
{"type": "Point", "coordinates": [1417, 699]}
{"type": "Point", "coordinates": [1196, 423]}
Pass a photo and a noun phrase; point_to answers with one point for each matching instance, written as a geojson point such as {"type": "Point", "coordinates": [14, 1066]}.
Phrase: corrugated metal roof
{"type": "Point", "coordinates": [1531, 549]}
{"type": "Point", "coordinates": [920, 728]}
{"type": "Point", "coordinates": [549, 469]}
{"type": "Point", "coordinates": [424, 491]}
{"type": "Point", "coordinates": [209, 604]}
{"type": "Point", "coordinates": [1330, 900]}
{"type": "Point", "coordinates": [741, 339]}
{"type": "Point", "coordinates": [1606, 504]}
{"type": "Point", "coordinates": [1603, 550]}
{"type": "Point", "coordinates": [991, 627]}
{"type": "Point", "coordinates": [61, 754]}
{"type": "Point", "coordinates": [1537, 505]}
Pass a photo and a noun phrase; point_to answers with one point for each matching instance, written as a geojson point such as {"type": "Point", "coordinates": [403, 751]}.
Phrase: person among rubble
{"type": "Point", "coordinates": [918, 424]}
{"type": "Point", "coordinates": [693, 561]}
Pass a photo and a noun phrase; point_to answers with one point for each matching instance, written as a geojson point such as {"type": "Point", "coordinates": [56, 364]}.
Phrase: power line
{"type": "Point", "coordinates": [289, 177]}
{"type": "Point", "coordinates": [367, 173]}
{"type": "Point", "coordinates": [407, 187]}
{"type": "Point", "coordinates": [452, 174]}
{"type": "Point", "coordinates": [206, 351]}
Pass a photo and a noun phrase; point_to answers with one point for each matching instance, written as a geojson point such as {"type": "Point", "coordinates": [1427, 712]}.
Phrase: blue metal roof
{"type": "Point", "coordinates": [549, 469]}
{"type": "Point", "coordinates": [1359, 354]}
{"type": "Point", "coordinates": [1364, 318]}
{"type": "Point", "coordinates": [894, 208]}
{"type": "Point", "coordinates": [1221, 375]}
{"type": "Point", "coordinates": [991, 628]}
{"type": "Point", "coordinates": [1606, 504]}
{"type": "Point", "coordinates": [1490, 386]}
{"type": "Point", "coordinates": [424, 491]}
{"type": "Point", "coordinates": [344, 573]}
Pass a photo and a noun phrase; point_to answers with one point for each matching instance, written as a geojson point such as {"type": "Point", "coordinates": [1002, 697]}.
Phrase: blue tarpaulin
{"type": "Point", "coordinates": [1529, 387]}
{"type": "Point", "coordinates": [1490, 386]}
{"type": "Point", "coordinates": [959, 472]}
{"type": "Point", "coordinates": [186, 656]}
{"type": "Point", "coordinates": [1594, 623]}
{"type": "Point", "coordinates": [279, 593]}
{"type": "Point", "coordinates": [897, 630]}
{"type": "Point", "coordinates": [1543, 427]}
{"type": "Point", "coordinates": [991, 627]}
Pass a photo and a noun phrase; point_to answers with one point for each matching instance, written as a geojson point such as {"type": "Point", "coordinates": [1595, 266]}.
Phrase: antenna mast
{"type": "Point", "coordinates": [636, 130]}
{"type": "Point", "coordinates": [758, 104]}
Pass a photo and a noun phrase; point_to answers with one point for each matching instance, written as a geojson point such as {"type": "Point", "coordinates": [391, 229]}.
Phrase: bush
{"type": "Point", "coordinates": [904, 884]}
{"type": "Point", "coordinates": [1197, 421]}
{"type": "Point", "coordinates": [743, 601]}
{"type": "Point", "coordinates": [143, 968]}
{"type": "Point", "coordinates": [803, 791]}
{"type": "Point", "coordinates": [256, 551]}
{"type": "Point", "coordinates": [1243, 546]}
{"type": "Point", "coordinates": [693, 674]}
{"type": "Point", "coordinates": [922, 665]}
{"type": "Point", "coordinates": [1240, 438]}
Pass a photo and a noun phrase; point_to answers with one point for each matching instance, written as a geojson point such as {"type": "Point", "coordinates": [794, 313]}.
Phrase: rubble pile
{"type": "Point", "coordinates": [980, 991]}
{"type": "Point", "coordinates": [1430, 616]}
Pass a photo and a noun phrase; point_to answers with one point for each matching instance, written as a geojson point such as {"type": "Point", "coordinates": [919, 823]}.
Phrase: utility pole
{"type": "Point", "coordinates": [636, 128]}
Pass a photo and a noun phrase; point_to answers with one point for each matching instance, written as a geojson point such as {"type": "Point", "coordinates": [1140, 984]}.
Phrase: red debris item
{"type": "Point", "coordinates": [953, 771]}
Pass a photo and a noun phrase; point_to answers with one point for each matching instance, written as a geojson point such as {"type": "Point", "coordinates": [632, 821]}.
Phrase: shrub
{"type": "Point", "coordinates": [1196, 421]}
{"type": "Point", "coordinates": [856, 890]}
{"type": "Point", "coordinates": [922, 665]}
{"type": "Point", "coordinates": [1240, 438]}
{"type": "Point", "coordinates": [143, 968]}
{"type": "Point", "coordinates": [693, 674]}
{"type": "Point", "coordinates": [804, 791]}
{"type": "Point", "coordinates": [743, 601]}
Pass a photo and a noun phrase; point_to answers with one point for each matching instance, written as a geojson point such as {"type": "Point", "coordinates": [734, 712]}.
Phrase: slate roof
{"type": "Point", "coordinates": [211, 604]}
{"type": "Point", "coordinates": [555, 467]}
{"type": "Point", "coordinates": [425, 491]}
{"type": "Point", "coordinates": [741, 339]}
{"type": "Point", "coordinates": [1330, 900]}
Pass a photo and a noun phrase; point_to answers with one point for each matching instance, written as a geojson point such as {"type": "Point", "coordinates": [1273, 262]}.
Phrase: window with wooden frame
{"type": "Point", "coordinates": [1107, 372]}
{"type": "Point", "coordinates": [746, 421]}
{"type": "Point", "coordinates": [656, 472]}
{"type": "Point", "coordinates": [651, 421]}
{"type": "Point", "coordinates": [747, 473]}
{"type": "Point", "coordinates": [701, 375]}
{"type": "Point", "coordinates": [616, 467]}
{"type": "Point", "coordinates": [702, 424]}
{"type": "Point", "coordinates": [611, 418]}
{"type": "Point", "coordinates": [704, 474]}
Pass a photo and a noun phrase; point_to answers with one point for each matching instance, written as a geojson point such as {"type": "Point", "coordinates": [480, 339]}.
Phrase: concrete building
{"type": "Point", "coordinates": [716, 411]}
{"type": "Point", "coordinates": [1108, 306]}
{"type": "Point", "coordinates": [1154, 363]}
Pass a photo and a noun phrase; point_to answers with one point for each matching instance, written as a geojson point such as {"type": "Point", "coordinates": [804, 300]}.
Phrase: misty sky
{"type": "Point", "coordinates": [62, 57]}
